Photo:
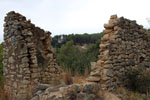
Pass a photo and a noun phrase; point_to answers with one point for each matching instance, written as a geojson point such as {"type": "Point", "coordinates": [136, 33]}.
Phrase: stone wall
{"type": "Point", "coordinates": [84, 91]}
{"type": "Point", "coordinates": [29, 60]}
{"type": "Point", "coordinates": [125, 45]}
{"type": "Point", "coordinates": [28, 57]}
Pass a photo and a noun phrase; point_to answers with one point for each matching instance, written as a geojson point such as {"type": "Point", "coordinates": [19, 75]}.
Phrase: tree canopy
{"type": "Point", "coordinates": [59, 40]}
{"type": "Point", "coordinates": [71, 56]}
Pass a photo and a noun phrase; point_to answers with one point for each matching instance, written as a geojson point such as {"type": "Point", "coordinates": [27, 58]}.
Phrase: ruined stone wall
{"type": "Point", "coordinates": [125, 45]}
{"type": "Point", "coordinates": [28, 57]}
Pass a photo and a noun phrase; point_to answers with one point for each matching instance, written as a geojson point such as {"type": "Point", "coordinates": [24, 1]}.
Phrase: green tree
{"type": "Point", "coordinates": [71, 56]}
{"type": "Point", "coordinates": [67, 57]}
{"type": "Point", "coordinates": [80, 39]}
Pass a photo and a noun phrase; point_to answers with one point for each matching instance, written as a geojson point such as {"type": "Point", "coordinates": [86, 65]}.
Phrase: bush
{"type": "Point", "coordinates": [77, 60]}
{"type": "Point", "coordinates": [131, 95]}
{"type": "Point", "coordinates": [139, 79]}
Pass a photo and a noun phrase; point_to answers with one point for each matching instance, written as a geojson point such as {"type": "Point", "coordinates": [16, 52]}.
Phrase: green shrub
{"type": "Point", "coordinates": [77, 60]}
{"type": "Point", "coordinates": [139, 79]}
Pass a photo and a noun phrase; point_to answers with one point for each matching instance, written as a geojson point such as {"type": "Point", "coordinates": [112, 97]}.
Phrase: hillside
{"type": "Point", "coordinates": [76, 51]}
{"type": "Point", "coordinates": [80, 39]}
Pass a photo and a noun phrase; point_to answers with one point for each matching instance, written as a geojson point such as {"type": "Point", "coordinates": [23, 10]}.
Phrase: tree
{"type": "Point", "coordinates": [80, 39]}
{"type": "Point", "coordinates": [67, 56]}
{"type": "Point", "coordinates": [71, 56]}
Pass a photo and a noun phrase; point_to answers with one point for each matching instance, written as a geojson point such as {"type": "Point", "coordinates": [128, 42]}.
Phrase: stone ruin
{"type": "Point", "coordinates": [28, 57]}
{"type": "Point", "coordinates": [125, 45]}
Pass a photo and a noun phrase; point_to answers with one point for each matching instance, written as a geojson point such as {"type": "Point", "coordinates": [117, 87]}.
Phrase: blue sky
{"type": "Point", "coordinates": [75, 16]}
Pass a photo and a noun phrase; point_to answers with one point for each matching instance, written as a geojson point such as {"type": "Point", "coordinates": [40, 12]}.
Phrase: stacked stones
{"type": "Point", "coordinates": [125, 45]}
{"type": "Point", "coordinates": [28, 56]}
{"type": "Point", "coordinates": [50, 72]}
{"type": "Point", "coordinates": [84, 91]}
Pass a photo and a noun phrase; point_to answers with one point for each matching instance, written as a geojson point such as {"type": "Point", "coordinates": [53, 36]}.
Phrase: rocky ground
{"type": "Point", "coordinates": [85, 91]}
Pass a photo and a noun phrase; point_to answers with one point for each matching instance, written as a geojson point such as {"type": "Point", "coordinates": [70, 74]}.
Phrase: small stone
{"type": "Point", "coordinates": [11, 59]}
{"type": "Point", "coordinates": [42, 86]}
{"type": "Point", "coordinates": [106, 31]}
{"type": "Point", "coordinates": [38, 92]}
{"type": "Point", "coordinates": [108, 26]}
{"type": "Point", "coordinates": [35, 98]}
{"type": "Point", "coordinates": [91, 88]}
{"type": "Point", "coordinates": [25, 59]}
{"type": "Point", "coordinates": [93, 79]}
{"type": "Point", "coordinates": [95, 73]}
{"type": "Point", "coordinates": [113, 17]}
{"type": "Point", "coordinates": [52, 69]}
{"type": "Point", "coordinates": [29, 33]}
{"type": "Point", "coordinates": [34, 75]}
{"type": "Point", "coordinates": [26, 82]}
{"type": "Point", "coordinates": [106, 37]}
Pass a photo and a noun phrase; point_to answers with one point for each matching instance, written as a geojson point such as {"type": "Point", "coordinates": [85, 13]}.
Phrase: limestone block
{"type": "Point", "coordinates": [93, 79]}
{"type": "Point", "coordinates": [113, 17]}
{"type": "Point", "coordinates": [42, 86]}
{"type": "Point", "coordinates": [52, 69]}
{"type": "Point", "coordinates": [95, 73]}
{"type": "Point", "coordinates": [93, 65]}
{"type": "Point", "coordinates": [106, 53]}
{"type": "Point", "coordinates": [106, 37]}
{"type": "Point", "coordinates": [35, 75]}
{"type": "Point", "coordinates": [107, 31]}
{"type": "Point", "coordinates": [104, 77]}
{"type": "Point", "coordinates": [24, 60]}
{"type": "Point", "coordinates": [11, 59]}
{"type": "Point", "coordinates": [26, 82]}
{"type": "Point", "coordinates": [108, 26]}
{"type": "Point", "coordinates": [90, 88]}
{"type": "Point", "coordinates": [29, 33]}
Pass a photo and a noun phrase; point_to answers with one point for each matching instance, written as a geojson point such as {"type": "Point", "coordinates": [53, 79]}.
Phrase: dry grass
{"type": "Point", "coordinates": [86, 73]}
{"type": "Point", "coordinates": [105, 95]}
{"type": "Point", "coordinates": [126, 94]}
{"type": "Point", "coordinates": [68, 79]}
{"type": "Point", "coordinates": [79, 79]}
{"type": "Point", "coordinates": [2, 94]}
{"type": "Point", "coordinates": [8, 95]}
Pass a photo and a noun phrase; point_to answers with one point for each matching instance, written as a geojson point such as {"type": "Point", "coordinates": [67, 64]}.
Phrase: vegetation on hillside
{"type": "Point", "coordinates": [71, 56]}
{"type": "Point", "coordinates": [80, 39]}
{"type": "Point", "coordinates": [139, 79]}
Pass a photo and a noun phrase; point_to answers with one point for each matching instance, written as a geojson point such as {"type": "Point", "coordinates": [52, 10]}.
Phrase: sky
{"type": "Point", "coordinates": [75, 16]}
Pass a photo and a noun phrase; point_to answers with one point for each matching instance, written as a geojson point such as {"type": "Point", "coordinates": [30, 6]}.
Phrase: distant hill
{"type": "Point", "coordinates": [80, 39]}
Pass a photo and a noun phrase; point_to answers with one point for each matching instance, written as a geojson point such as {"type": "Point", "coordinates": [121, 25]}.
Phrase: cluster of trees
{"type": "Point", "coordinates": [80, 39]}
{"type": "Point", "coordinates": [71, 56]}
